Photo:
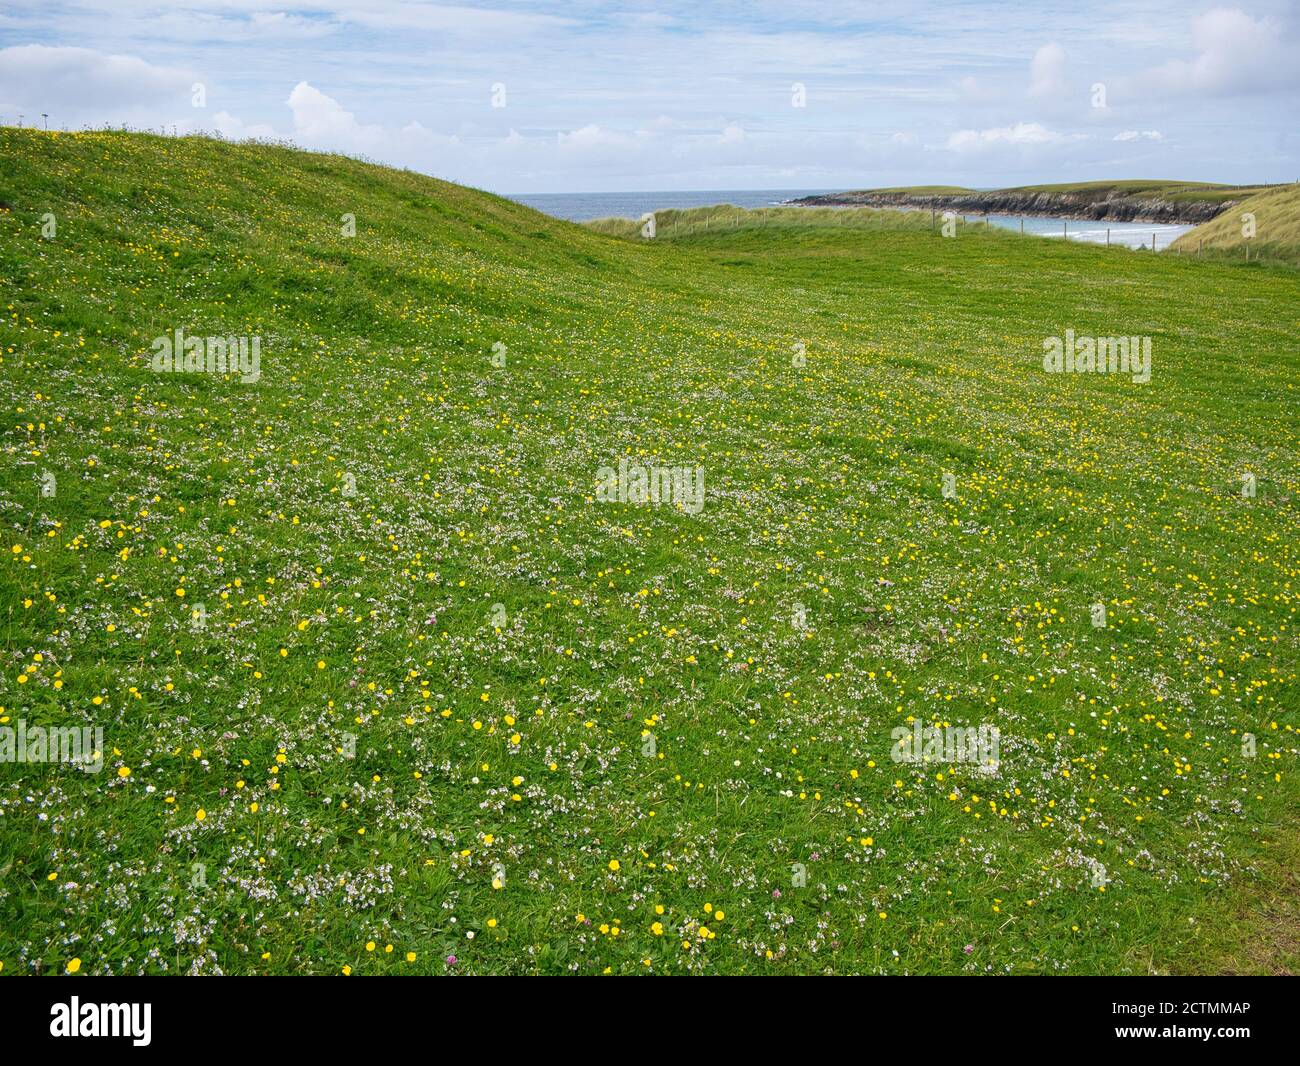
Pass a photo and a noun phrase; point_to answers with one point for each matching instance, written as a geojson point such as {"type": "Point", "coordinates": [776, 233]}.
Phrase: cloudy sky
{"type": "Point", "coordinates": [518, 96]}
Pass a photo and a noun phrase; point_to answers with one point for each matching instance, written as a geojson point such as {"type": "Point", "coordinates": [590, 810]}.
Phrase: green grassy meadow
{"type": "Point", "coordinates": [386, 688]}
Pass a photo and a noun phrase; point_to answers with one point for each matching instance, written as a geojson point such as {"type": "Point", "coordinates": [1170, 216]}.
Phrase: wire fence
{"type": "Point", "coordinates": [681, 224]}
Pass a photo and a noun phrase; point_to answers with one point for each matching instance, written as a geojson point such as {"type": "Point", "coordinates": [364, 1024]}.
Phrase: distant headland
{"type": "Point", "coordinates": [1121, 201]}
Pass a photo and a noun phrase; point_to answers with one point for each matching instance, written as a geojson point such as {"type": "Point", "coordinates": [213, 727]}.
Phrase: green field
{"type": "Point", "coordinates": [384, 684]}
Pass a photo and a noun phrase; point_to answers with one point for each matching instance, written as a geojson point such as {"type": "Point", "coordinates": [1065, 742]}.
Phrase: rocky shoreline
{"type": "Point", "coordinates": [1112, 207]}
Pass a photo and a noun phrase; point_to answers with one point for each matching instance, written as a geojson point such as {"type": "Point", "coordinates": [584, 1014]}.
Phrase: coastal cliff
{"type": "Point", "coordinates": [1120, 202]}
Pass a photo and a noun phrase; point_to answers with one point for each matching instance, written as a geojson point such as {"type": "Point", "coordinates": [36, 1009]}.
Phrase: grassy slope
{"type": "Point", "coordinates": [674, 223]}
{"type": "Point", "coordinates": [521, 751]}
{"type": "Point", "coordinates": [1277, 225]}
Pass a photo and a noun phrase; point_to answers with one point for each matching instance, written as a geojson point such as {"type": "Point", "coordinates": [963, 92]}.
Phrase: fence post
{"type": "Point", "coordinates": [1064, 229]}
{"type": "Point", "coordinates": [1022, 227]}
{"type": "Point", "coordinates": [1107, 236]}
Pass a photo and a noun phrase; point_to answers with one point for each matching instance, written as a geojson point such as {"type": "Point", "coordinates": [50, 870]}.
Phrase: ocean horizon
{"type": "Point", "coordinates": [584, 206]}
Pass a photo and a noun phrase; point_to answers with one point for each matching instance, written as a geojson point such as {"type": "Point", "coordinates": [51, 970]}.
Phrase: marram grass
{"type": "Point", "coordinates": [1268, 223]}
{"type": "Point", "coordinates": [385, 689]}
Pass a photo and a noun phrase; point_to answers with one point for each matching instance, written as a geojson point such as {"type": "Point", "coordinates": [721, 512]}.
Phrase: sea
{"type": "Point", "coordinates": [582, 206]}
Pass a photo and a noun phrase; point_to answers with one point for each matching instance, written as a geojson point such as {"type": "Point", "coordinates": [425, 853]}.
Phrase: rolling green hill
{"type": "Point", "coordinates": [1276, 220]}
{"type": "Point", "coordinates": [389, 684]}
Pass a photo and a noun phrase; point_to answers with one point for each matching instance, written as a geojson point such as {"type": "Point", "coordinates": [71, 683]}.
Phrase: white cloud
{"type": "Point", "coordinates": [1022, 133]}
{"type": "Point", "coordinates": [971, 90]}
{"type": "Point", "coordinates": [1140, 135]}
{"type": "Point", "coordinates": [1235, 54]}
{"type": "Point", "coordinates": [70, 83]}
{"type": "Point", "coordinates": [233, 128]}
{"type": "Point", "coordinates": [263, 24]}
{"type": "Point", "coordinates": [321, 121]}
{"type": "Point", "coordinates": [592, 136]}
{"type": "Point", "coordinates": [1047, 71]}
{"type": "Point", "coordinates": [450, 18]}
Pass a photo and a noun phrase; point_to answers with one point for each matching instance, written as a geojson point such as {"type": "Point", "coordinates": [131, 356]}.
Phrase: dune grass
{"type": "Point", "coordinates": [1275, 215]}
{"type": "Point", "coordinates": [684, 222]}
{"type": "Point", "coordinates": [387, 687]}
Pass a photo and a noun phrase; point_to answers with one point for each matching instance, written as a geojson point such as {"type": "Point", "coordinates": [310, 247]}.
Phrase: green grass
{"type": "Point", "coordinates": [1276, 216]}
{"type": "Point", "coordinates": [351, 521]}
{"type": "Point", "coordinates": [674, 223]}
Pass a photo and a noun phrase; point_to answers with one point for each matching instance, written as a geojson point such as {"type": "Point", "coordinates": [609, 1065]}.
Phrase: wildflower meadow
{"type": "Point", "coordinates": [397, 580]}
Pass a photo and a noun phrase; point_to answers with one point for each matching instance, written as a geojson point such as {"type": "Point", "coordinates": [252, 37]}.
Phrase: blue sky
{"type": "Point", "coordinates": [556, 97]}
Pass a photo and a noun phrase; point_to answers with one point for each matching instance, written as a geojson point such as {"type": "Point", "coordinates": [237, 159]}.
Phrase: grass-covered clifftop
{"type": "Point", "coordinates": [377, 668]}
{"type": "Point", "coordinates": [1132, 200]}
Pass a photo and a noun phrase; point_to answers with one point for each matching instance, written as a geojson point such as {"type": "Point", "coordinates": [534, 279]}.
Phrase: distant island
{"type": "Point", "coordinates": [1121, 201]}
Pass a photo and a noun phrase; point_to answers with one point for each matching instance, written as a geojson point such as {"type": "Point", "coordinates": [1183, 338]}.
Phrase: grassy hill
{"type": "Point", "coordinates": [675, 222]}
{"type": "Point", "coordinates": [1277, 226]}
{"type": "Point", "coordinates": [384, 683]}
